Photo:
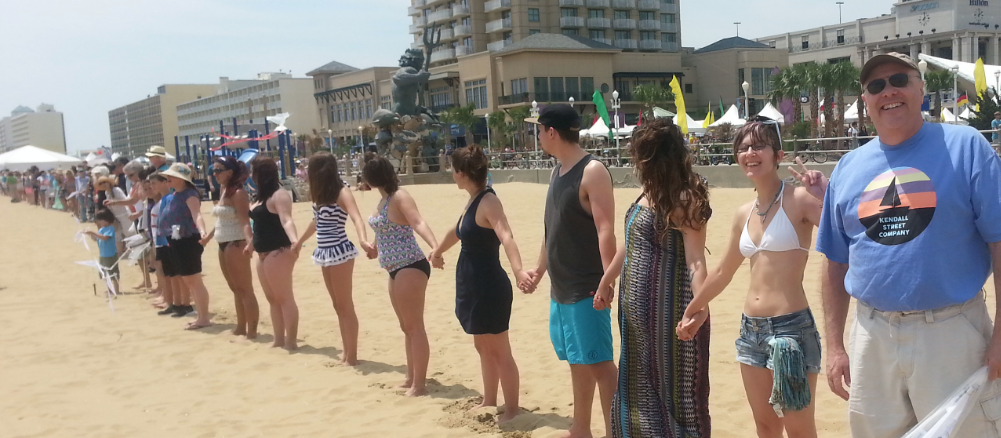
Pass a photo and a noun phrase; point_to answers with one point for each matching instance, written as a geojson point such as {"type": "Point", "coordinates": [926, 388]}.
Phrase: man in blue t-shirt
{"type": "Point", "coordinates": [996, 126]}
{"type": "Point", "coordinates": [911, 229]}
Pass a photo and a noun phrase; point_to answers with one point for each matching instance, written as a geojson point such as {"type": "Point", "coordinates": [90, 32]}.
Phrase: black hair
{"type": "Point", "coordinates": [472, 162]}
{"type": "Point", "coordinates": [325, 182]}
{"type": "Point", "coordinates": [379, 173]}
{"type": "Point", "coordinates": [264, 171]}
{"type": "Point", "coordinates": [105, 215]}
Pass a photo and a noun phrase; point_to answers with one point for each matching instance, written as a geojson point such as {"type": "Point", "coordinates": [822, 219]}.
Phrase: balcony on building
{"type": "Point", "coordinates": [648, 5]}
{"type": "Point", "coordinates": [416, 28]}
{"type": "Point", "coordinates": [514, 99]}
{"type": "Point", "coordinates": [669, 27]}
{"type": "Point", "coordinates": [650, 45]}
{"type": "Point", "coordinates": [421, 21]}
{"type": "Point", "coordinates": [417, 46]}
{"type": "Point", "coordinates": [497, 45]}
{"type": "Point", "coordinates": [415, 10]}
{"type": "Point", "coordinates": [670, 47]}
{"type": "Point", "coordinates": [571, 2]}
{"type": "Point", "coordinates": [627, 44]}
{"type": "Point", "coordinates": [599, 3]}
{"type": "Point", "coordinates": [495, 5]}
{"type": "Point", "coordinates": [669, 8]}
{"type": "Point", "coordinates": [447, 34]}
{"type": "Point", "coordinates": [442, 55]}
{"type": "Point", "coordinates": [624, 23]}
{"type": "Point", "coordinates": [419, 3]}
{"type": "Point", "coordinates": [460, 10]}
{"type": "Point", "coordinates": [462, 29]}
{"type": "Point", "coordinates": [440, 15]}
{"type": "Point", "coordinates": [603, 40]}
{"type": "Point", "coordinates": [571, 21]}
{"type": "Point", "coordinates": [649, 24]}
{"type": "Point", "coordinates": [599, 23]}
{"type": "Point", "coordinates": [499, 25]}
{"type": "Point", "coordinates": [463, 50]}
{"type": "Point", "coordinates": [624, 4]}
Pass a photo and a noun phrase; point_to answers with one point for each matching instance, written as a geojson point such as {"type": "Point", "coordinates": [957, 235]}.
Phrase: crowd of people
{"type": "Point", "coordinates": [884, 220]}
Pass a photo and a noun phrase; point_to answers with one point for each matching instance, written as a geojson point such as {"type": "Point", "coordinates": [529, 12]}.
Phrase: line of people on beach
{"type": "Point", "coordinates": [893, 210]}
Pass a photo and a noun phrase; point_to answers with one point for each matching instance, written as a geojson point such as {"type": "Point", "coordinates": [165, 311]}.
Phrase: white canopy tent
{"type": "Point", "coordinates": [598, 129]}
{"type": "Point", "coordinates": [772, 113]}
{"type": "Point", "coordinates": [731, 116]}
{"type": "Point", "coordinates": [24, 157]}
{"type": "Point", "coordinates": [694, 126]}
{"type": "Point", "coordinates": [967, 114]}
{"type": "Point", "coordinates": [949, 117]}
{"type": "Point", "coordinates": [659, 112]}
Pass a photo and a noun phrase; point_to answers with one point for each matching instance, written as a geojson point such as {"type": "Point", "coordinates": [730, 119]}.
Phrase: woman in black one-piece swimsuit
{"type": "Point", "coordinates": [482, 289]}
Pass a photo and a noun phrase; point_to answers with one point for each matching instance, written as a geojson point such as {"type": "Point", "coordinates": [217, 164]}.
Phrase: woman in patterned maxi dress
{"type": "Point", "coordinates": [663, 388]}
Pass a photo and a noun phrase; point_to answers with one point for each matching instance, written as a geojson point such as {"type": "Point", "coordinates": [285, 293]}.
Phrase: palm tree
{"type": "Point", "coordinates": [935, 82]}
{"type": "Point", "coordinates": [464, 116]}
{"type": "Point", "coordinates": [651, 96]}
{"type": "Point", "coordinates": [811, 79]}
{"type": "Point", "coordinates": [518, 116]}
{"type": "Point", "coordinates": [843, 79]}
{"type": "Point", "coordinates": [788, 84]}
{"type": "Point", "coordinates": [497, 123]}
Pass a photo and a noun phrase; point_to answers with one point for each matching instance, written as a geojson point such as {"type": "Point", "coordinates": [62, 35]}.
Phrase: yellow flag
{"type": "Point", "coordinates": [709, 117]}
{"type": "Point", "coordinates": [679, 102]}
{"type": "Point", "coordinates": [980, 80]}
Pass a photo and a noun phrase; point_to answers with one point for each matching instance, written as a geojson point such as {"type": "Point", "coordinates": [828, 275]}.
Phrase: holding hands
{"type": "Point", "coordinates": [370, 251]}
{"type": "Point", "coordinates": [691, 323]}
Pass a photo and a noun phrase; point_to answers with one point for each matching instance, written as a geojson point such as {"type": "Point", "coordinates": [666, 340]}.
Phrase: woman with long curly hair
{"type": "Point", "coordinates": [232, 231]}
{"type": "Point", "coordinates": [663, 388]}
{"type": "Point", "coordinates": [333, 204]}
{"type": "Point", "coordinates": [275, 242]}
{"type": "Point", "coordinates": [778, 339]}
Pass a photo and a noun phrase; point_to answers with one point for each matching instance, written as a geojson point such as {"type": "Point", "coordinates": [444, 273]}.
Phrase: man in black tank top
{"type": "Point", "coordinates": [579, 245]}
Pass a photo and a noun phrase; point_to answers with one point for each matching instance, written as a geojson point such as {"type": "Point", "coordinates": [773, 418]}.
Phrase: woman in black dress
{"type": "Point", "coordinates": [482, 289]}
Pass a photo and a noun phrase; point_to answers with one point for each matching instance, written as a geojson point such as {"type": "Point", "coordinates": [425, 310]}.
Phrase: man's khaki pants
{"type": "Point", "coordinates": [903, 364]}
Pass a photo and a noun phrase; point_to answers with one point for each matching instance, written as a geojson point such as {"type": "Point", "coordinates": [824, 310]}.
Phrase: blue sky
{"type": "Point", "coordinates": [88, 57]}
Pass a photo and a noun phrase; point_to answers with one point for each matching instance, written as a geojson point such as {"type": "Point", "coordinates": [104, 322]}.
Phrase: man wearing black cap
{"type": "Point", "coordinates": [911, 229]}
{"type": "Point", "coordinates": [579, 245]}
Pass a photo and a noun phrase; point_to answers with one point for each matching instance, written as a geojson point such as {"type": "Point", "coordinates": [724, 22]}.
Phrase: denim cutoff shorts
{"type": "Point", "coordinates": [755, 332]}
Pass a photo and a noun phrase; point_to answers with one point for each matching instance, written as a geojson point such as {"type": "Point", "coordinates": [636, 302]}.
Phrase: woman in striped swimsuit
{"type": "Point", "coordinates": [335, 254]}
{"type": "Point", "coordinates": [395, 222]}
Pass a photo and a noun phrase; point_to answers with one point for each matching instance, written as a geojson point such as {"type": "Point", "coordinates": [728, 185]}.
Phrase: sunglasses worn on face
{"type": "Point", "coordinates": [899, 80]}
{"type": "Point", "coordinates": [218, 170]}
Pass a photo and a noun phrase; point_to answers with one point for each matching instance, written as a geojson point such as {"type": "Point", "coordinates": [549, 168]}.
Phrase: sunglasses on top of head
{"type": "Point", "coordinates": [899, 80]}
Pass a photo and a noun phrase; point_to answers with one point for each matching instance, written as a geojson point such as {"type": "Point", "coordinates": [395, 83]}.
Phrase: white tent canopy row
{"type": "Point", "coordinates": [851, 113]}
{"type": "Point", "coordinates": [600, 129]}
{"type": "Point", "coordinates": [949, 117]}
{"type": "Point", "coordinates": [731, 116]}
{"type": "Point", "coordinates": [24, 157]}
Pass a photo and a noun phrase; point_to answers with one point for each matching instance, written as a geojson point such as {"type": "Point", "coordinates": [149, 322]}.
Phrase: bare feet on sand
{"type": "Point", "coordinates": [573, 433]}
{"type": "Point", "coordinates": [507, 415]}
{"type": "Point", "coordinates": [415, 391]}
{"type": "Point", "coordinates": [350, 363]}
{"type": "Point", "coordinates": [407, 384]}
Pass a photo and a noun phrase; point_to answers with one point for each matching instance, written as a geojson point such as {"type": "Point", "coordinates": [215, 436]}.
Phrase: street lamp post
{"type": "Point", "coordinates": [955, 92]}
{"type": "Point", "coordinates": [747, 107]}
{"type": "Point", "coordinates": [839, 10]}
{"type": "Point", "coordinates": [571, 100]}
{"type": "Point", "coordinates": [737, 23]}
{"type": "Point", "coordinates": [616, 104]}
{"type": "Point", "coordinates": [361, 139]}
{"type": "Point", "coordinates": [923, 68]}
{"type": "Point", "coordinates": [486, 119]}
{"type": "Point", "coordinates": [535, 127]}
{"type": "Point", "coordinates": [997, 78]}
{"type": "Point", "coordinates": [330, 141]}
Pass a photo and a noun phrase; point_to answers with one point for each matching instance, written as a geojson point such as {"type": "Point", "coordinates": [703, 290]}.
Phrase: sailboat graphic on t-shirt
{"type": "Point", "coordinates": [897, 206]}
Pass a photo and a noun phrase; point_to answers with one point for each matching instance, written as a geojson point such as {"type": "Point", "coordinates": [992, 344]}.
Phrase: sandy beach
{"type": "Point", "coordinates": [72, 366]}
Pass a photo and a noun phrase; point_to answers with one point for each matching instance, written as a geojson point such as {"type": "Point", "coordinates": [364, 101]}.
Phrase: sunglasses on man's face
{"type": "Point", "coordinates": [899, 80]}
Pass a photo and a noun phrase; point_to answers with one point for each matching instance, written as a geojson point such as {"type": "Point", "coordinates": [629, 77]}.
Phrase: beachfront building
{"type": "Point", "coordinates": [41, 127]}
{"type": "Point", "coordinates": [346, 98]}
{"type": "Point", "coordinates": [469, 27]}
{"type": "Point", "coordinates": [961, 30]}
{"type": "Point", "coordinates": [248, 102]}
{"type": "Point", "coordinates": [722, 67]}
{"type": "Point", "coordinates": [151, 121]}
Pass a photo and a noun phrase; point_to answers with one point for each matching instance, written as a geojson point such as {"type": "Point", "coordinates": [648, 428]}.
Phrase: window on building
{"type": "Point", "coordinates": [596, 34]}
{"type": "Point", "coordinates": [476, 93]}
{"type": "Point", "coordinates": [622, 15]}
{"type": "Point", "coordinates": [368, 108]}
{"type": "Point", "coordinates": [595, 13]}
{"type": "Point", "coordinates": [441, 97]}
{"type": "Point", "coordinates": [541, 89]}
{"type": "Point", "coordinates": [506, 15]}
{"type": "Point", "coordinates": [645, 36]}
{"type": "Point", "coordinates": [688, 89]}
{"type": "Point", "coordinates": [586, 87]}
{"type": "Point", "coordinates": [508, 37]}
{"type": "Point", "coordinates": [623, 35]}
{"type": "Point", "coordinates": [841, 37]}
{"type": "Point", "coordinates": [386, 102]}
{"type": "Point", "coordinates": [519, 86]}
{"type": "Point", "coordinates": [556, 92]}
{"type": "Point", "coordinates": [740, 81]}
{"type": "Point", "coordinates": [534, 31]}
{"type": "Point", "coordinates": [646, 15]}
{"type": "Point", "coordinates": [805, 42]}
{"type": "Point", "coordinates": [771, 44]}
{"type": "Point", "coordinates": [570, 32]}
{"type": "Point", "coordinates": [573, 89]}
{"type": "Point", "coordinates": [533, 14]}
{"type": "Point", "coordinates": [667, 18]}
{"type": "Point", "coordinates": [466, 21]}
{"type": "Point", "coordinates": [668, 37]}
{"type": "Point", "coordinates": [568, 12]}
{"type": "Point", "coordinates": [667, 2]}
{"type": "Point", "coordinates": [757, 81]}
{"type": "Point", "coordinates": [468, 42]}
